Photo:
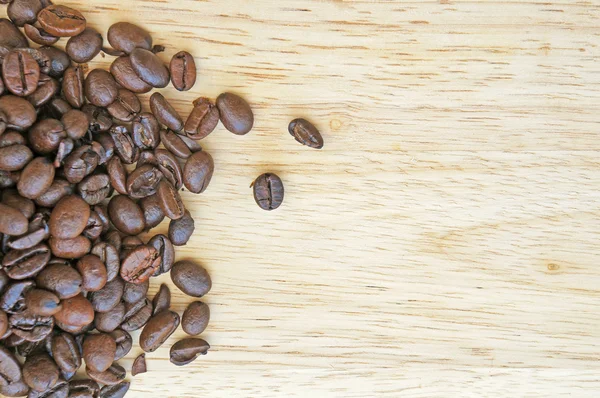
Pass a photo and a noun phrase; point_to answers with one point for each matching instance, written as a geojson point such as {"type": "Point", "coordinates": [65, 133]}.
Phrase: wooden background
{"type": "Point", "coordinates": [444, 243]}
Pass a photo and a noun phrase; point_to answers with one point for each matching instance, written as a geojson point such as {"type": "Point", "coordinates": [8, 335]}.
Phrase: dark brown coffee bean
{"type": "Point", "coordinates": [116, 391]}
{"type": "Point", "coordinates": [108, 297]}
{"type": "Point", "coordinates": [45, 135]}
{"type": "Point", "coordinates": [143, 181]}
{"type": "Point", "coordinates": [65, 148]}
{"type": "Point", "coordinates": [47, 88]}
{"type": "Point", "coordinates": [124, 74]}
{"type": "Point", "coordinates": [165, 249]}
{"type": "Point", "coordinates": [21, 73]}
{"type": "Point", "coordinates": [191, 278]}
{"type": "Point", "coordinates": [195, 318]}
{"type": "Point", "coordinates": [153, 212]}
{"type": "Point", "coordinates": [11, 197]}
{"type": "Point", "coordinates": [40, 372]}
{"type": "Point", "coordinates": [65, 351]}
{"type": "Point", "coordinates": [129, 243]}
{"type": "Point", "coordinates": [83, 389]}
{"type": "Point", "coordinates": [126, 106]}
{"type": "Point", "coordinates": [118, 175]}
{"type": "Point", "coordinates": [170, 167]}
{"type": "Point", "coordinates": [10, 368]}
{"type": "Point", "coordinates": [170, 200]}
{"type": "Point", "coordinates": [85, 46]}
{"type": "Point", "coordinates": [187, 350]}
{"type": "Point", "coordinates": [69, 217]}
{"type": "Point", "coordinates": [165, 113]}
{"type": "Point", "coordinates": [58, 107]}
{"type": "Point", "coordinates": [72, 86]}
{"type": "Point", "coordinates": [183, 71]}
{"type": "Point", "coordinates": [235, 113]}
{"type": "Point", "coordinates": [74, 329]}
{"type": "Point", "coordinates": [136, 315]}
{"type": "Point", "coordinates": [31, 327]}
{"type": "Point", "coordinates": [13, 297]}
{"type": "Point", "coordinates": [125, 36]}
{"type": "Point", "coordinates": [182, 229]}
{"type": "Point", "coordinates": [100, 88]}
{"type": "Point", "coordinates": [95, 188]}
{"type": "Point", "coordinates": [16, 389]}
{"type": "Point", "coordinates": [76, 123]}
{"type": "Point", "coordinates": [268, 191]}
{"type": "Point", "coordinates": [175, 144]}
{"type": "Point", "coordinates": [80, 163]}
{"type": "Point", "coordinates": [99, 119]}
{"type": "Point", "coordinates": [58, 190]}
{"type": "Point", "coordinates": [306, 133]}
{"type": "Point", "coordinates": [139, 365]}
{"type": "Point", "coordinates": [9, 179]}
{"type": "Point", "coordinates": [61, 21]}
{"type": "Point", "coordinates": [62, 279]}
{"type": "Point", "coordinates": [12, 222]}
{"type": "Point", "coordinates": [3, 325]}
{"type": "Point", "coordinates": [146, 131]}
{"type": "Point", "coordinates": [11, 36]}
{"type": "Point", "coordinates": [24, 264]}
{"type": "Point", "coordinates": [38, 232]}
{"type": "Point", "coordinates": [76, 311]}
{"type": "Point", "coordinates": [124, 145]}
{"type": "Point", "coordinates": [93, 272]}
{"type": "Point", "coordinates": [124, 343]}
{"type": "Point", "coordinates": [14, 155]}
{"type": "Point", "coordinates": [198, 172]}
{"type": "Point", "coordinates": [29, 348]}
{"type": "Point", "coordinates": [36, 178]}
{"type": "Point", "coordinates": [94, 227]}
{"type": "Point", "coordinates": [149, 68]}
{"type": "Point", "coordinates": [147, 157]}
{"type": "Point", "coordinates": [19, 113]}
{"type": "Point", "coordinates": [99, 351]}
{"type": "Point", "coordinates": [158, 329]}
{"type": "Point", "coordinates": [126, 215]}
{"type": "Point", "coordinates": [39, 35]}
{"type": "Point", "coordinates": [109, 256]}
{"type": "Point", "coordinates": [135, 292]}
{"type": "Point", "coordinates": [193, 145]}
{"type": "Point", "coordinates": [112, 376]}
{"type": "Point", "coordinates": [22, 12]}
{"type": "Point", "coordinates": [110, 320]}
{"type": "Point", "coordinates": [140, 264]}
{"type": "Point", "coordinates": [59, 390]}
{"type": "Point", "coordinates": [162, 300]}
{"type": "Point", "coordinates": [42, 302]}
{"type": "Point", "coordinates": [202, 120]}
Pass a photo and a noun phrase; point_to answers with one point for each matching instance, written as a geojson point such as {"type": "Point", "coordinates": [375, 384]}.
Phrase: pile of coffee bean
{"type": "Point", "coordinates": [83, 172]}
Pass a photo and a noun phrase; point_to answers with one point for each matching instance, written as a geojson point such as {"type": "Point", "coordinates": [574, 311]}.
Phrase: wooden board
{"type": "Point", "coordinates": [444, 243]}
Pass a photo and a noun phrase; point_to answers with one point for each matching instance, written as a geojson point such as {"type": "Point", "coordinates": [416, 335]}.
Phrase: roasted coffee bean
{"type": "Point", "coordinates": [124, 145]}
{"type": "Point", "coordinates": [126, 215]}
{"type": "Point", "coordinates": [305, 133]}
{"type": "Point", "coordinates": [108, 297]}
{"type": "Point", "coordinates": [153, 212]}
{"type": "Point", "coordinates": [99, 351]}
{"type": "Point", "coordinates": [94, 227]}
{"type": "Point", "coordinates": [140, 264]}
{"type": "Point", "coordinates": [118, 175]}
{"type": "Point", "coordinates": [235, 113]}
{"type": "Point", "coordinates": [183, 71]}
{"type": "Point", "coordinates": [181, 230]}
{"type": "Point", "coordinates": [165, 113]}
{"type": "Point", "coordinates": [125, 36]}
{"type": "Point", "coordinates": [80, 163]}
{"type": "Point", "coordinates": [193, 145]}
{"type": "Point", "coordinates": [76, 311]}
{"type": "Point", "coordinates": [187, 350]}
{"type": "Point", "coordinates": [136, 315]}
{"type": "Point", "coordinates": [128, 244]}
{"type": "Point", "coordinates": [146, 131]}
{"type": "Point", "coordinates": [40, 58]}
{"type": "Point", "coordinates": [95, 188]}
{"type": "Point", "coordinates": [69, 217]}
{"type": "Point", "coordinates": [36, 178]}
{"type": "Point", "coordinates": [62, 279]}
{"type": "Point", "coordinates": [21, 73]}
{"type": "Point", "coordinates": [112, 376]}
{"type": "Point", "coordinates": [37, 233]}
{"type": "Point", "coordinates": [169, 166]}
{"type": "Point", "coordinates": [74, 329]}
{"type": "Point", "coordinates": [124, 74]}
{"type": "Point", "coordinates": [11, 36]}
{"type": "Point", "coordinates": [139, 365]}
{"type": "Point", "coordinates": [72, 86]}
{"type": "Point", "coordinates": [109, 256]}
{"type": "Point", "coordinates": [198, 172]}
{"type": "Point", "coordinates": [191, 278]}
{"type": "Point", "coordinates": [126, 106]}
{"type": "Point", "coordinates": [61, 21]}
{"type": "Point", "coordinates": [195, 318]}
{"type": "Point", "coordinates": [65, 351]}
{"type": "Point", "coordinates": [83, 389]}
{"type": "Point", "coordinates": [12, 222]}
{"type": "Point", "coordinates": [149, 68]}
{"type": "Point", "coordinates": [110, 320]}
{"type": "Point", "coordinates": [162, 300]}
{"type": "Point", "coordinates": [135, 292]}
{"type": "Point", "coordinates": [158, 329]}
{"type": "Point", "coordinates": [124, 343]}
{"type": "Point", "coordinates": [42, 302]}
{"type": "Point", "coordinates": [47, 88]}
{"type": "Point", "coordinates": [202, 120]}
{"type": "Point", "coordinates": [165, 249]}
{"type": "Point", "coordinates": [85, 46]}
{"type": "Point", "coordinates": [59, 61]}
{"type": "Point", "coordinates": [13, 297]}
{"type": "Point", "coordinates": [100, 88]}
{"type": "Point", "coordinates": [14, 154]}
{"type": "Point", "coordinates": [76, 123]}
{"type": "Point", "coordinates": [3, 325]}
{"type": "Point", "coordinates": [268, 191]}
{"type": "Point", "coordinates": [147, 157]}
{"type": "Point", "coordinates": [58, 190]}
{"type": "Point", "coordinates": [18, 113]}
{"type": "Point", "coordinates": [11, 197]}
{"type": "Point", "coordinates": [175, 144]}
{"type": "Point", "coordinates": [10, 368]}
{"type": "Point", "coordinates": [39, 35]}
{"type": "Point", "coordinates": [26, 263]}
{"type": "Point", "coordinates": [65, 147]}
{"type": "Point", "coordinates": [40, 372]}
{"type": "Point", "coordinates": [45, 135]}
{"type": "Point", "coordinates": [16, 389]}
{"type": "Point", "coordinates": [143, 181]}
{"type": "Point", "coordinates": [170, 200]}
{"type": "Point", "coordinates": [32, 347]}
{"type": "Point", "coordinates": [31, 327]}
{"type": "Point", "coordinates": [99, 119]}
{"type": "Point", "coordinates": [59, 390]}
{"type": "Point", "coordinates": [93, 272]}
{"type": "Point", "coordinates": [22, 12]}
{"type": "Point", "coordinates": [116, 391]}
{"type": "Point", "coordinates": [12, 340]}
{"type": "Point", "coordinates": [58, 107]}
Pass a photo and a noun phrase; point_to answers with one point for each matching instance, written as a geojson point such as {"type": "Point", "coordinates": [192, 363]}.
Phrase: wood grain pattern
{"type": "Point", "coordinates": [443, 243]}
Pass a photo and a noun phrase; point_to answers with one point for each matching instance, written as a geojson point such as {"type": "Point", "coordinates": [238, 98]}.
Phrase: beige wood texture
{"type": "Point", "coordinates": [444, 243]}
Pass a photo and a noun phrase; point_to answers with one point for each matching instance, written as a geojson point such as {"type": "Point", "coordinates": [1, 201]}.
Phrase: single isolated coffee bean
{"type": "Point", "coordinates": [72, 86]}
{"type": "Point", "coordinates": [170, 167]}
{"type": "Point", "coordinates": [31, 327]}
{"type": "Point", "coordinates": [36, 178]}
{"type": "Point", "coordinates": [18, 113]}
{"type": "Point", "coordinates": [126, 215]}
{"type": "Point", "coordinates": [46, 135]}
{"type": "Point", "coordinates": [143, 181]}
{"type": "Point", "coordinates": [61, 279]}
{"type": "Point", "coordinates": [76, 311]}
{"type": "Point", "coordinates": [21, 73]}
{"type": "Point", "coordinates": [101, 88]}
{"type": "Point", "coordinates": [58, 190]}
{"type": "Point", "coordinates": [195, 318]}
{"type": "Point", "coordinates": [26, 263]}
{"type": "Point", "coordinates": [305, 133]}
{"type": "Point", "coordinates": [146, 130]}
{"type": "Point", "coordinates": [110, 320]}
{"type": "Point", "coordinates": [70, 248]}
{"type": "Point", "coordinates": [149, 68]}
{"type": "Point", "coordinates": [76, 123]}
{"type": "Point", "coordinates": [69, 217]}
{"type": "Point", "coordinates": [158, 329]}
{"type": "Point", "coordinates": [198, 172]}
{"type": "Point", "coordinates": [162, 300]}
{"type": "Point", "coordinates": [11, 36]}
{"type": "Point", "coordinates": [187, 350]}
{"type": "Point", "coordinates": [99, 351]}
{"type": "Point", "coordinates": [182, 229]}
{"type": "Point", "coordinates": [95, 188]}
{"type": "Point", "coordinates": [135, 292]}
{"type": "Point", "coordinates": [12, 222]}
{"type": "Point", "coordinates": [125, 36]}
{"type": "Point", "coordinates": [175, 144]}
{"type": "Point", "coordinates": [202, 120]}
{"type": "Point", "coordinates": [93, 272]}
{"type": "Point", "coordinates": [139, 365]}
{"type": "Point", "coordinates": [40, 372]}
{"type": "Point", "coordinates": [183, 71]}
{"type": "Point", "coordinates": [124, 145]}
{"type": "Point", "coordinates": [65, 351]}
{"type": "Point", "coordinates": [268, 191]}
{"type": "Point", "coordinates": [165, 113]}
{"type": "Point", "coordinates": [118, 175]}
{"type": "Point", "coordinates": [235, 113]}
{"type": "Point", "coordinates": [85, 46]}
{"type": "Point", "coordinates": [191, 278]}
{"type": "Point", "coordinates": [61, 21]}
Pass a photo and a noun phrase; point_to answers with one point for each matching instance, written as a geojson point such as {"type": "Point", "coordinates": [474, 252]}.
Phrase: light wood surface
{"type": "Point", "coordinates": [444, 243]}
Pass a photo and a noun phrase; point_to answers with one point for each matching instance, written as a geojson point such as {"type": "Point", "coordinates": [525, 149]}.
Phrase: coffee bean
{"type": "Point", "coordinates": [136, 315]}
{"type": "Point", "coordinates": [14, 154]}
{"type": "Point", "coordinates": [195, 318]}
{"type": "Point", "coordinates": [99, 118]}
{"type": "Point", "coordinates": [124, 343]}
{"type": "Point", "coordinates": [80, 163]}
{"type": "Point", "coordinates": [191, 278]}
{"type": "Point", "coordinates": [15, 389]}
{"type": "Point", "coordinates": [38, 232]}
{"type": "Point", "coordinates": [162, 300]}
{"type": "Point", "coordinates": [21, 73]}
{"type": "Point", "coordinates": [13, 297]}
{"type": "Point", "coordinates": [23, 12]}
{"type": "Point", "coordinates": [69, 217]}
{"type": "Point", "coordinates": [183, 71]}
{"type": "Point", "coordinates": [72, 86]}
{"type": "Point", "coordinates": [11, 197]}
{"type": "Point", "coordinates": [110, 320]}
{"type": "Point", "coordinates": [110, 258]}
{"type": "Point", "coordinates": [125, 36]}
{"type": "Point", "coordinates": [124, 74]}
{"type": "Point", "coordinates": [10, 368]}
{"type": "Point", "coordinates": [76, 311]}
{"type": "Point", "coordinates": [126, 215]}
{"type": "Point", "coordinates": [18, 112]}
{"type": "Point", "coordinates": [93, 272]}
{"type": "Point", "coordinates": [135, 292]}
{"type": "Point", "coordinates": [108, 297]}
{"type": "Point", "coordinates": [58, 190]}
{"type": "Point", "coordinates": [268, 191]}
{"type": "Point", "coordinates": [125, 107]}
{"type": "Point", "coordinates": [116, 391]}
{"type": "Point", "coordinates": [158, 329]}
{"type": "Point", "coordinates": [70, 248]}
{"type": "Point", "coordinates": [61, 21]}
{"type": "Point", "coordinates": [85, 46]}
{"type": "Point", "coordinates": [202, 120]}
{"type": "Point", "coordinates": [31, 327]}
{"type": "Point", "coordinates": [140, 264]}
{"type": "Point", "coordinates": [100, 88]}
{"type": "Point", "coordinates": [181, 230]}
{"type": "Point", "coordinates": [45, 136]}
{"type": "Point", "coordinates": [170, 200]}
{"type": "Point", "coordinates": [28, 348]}
{"type": "Point", "coordinates": [26, 263]}
{"type": "Point", "coordinates": [65, 351]}
{"type": "Point", "coordinates": [83, 389]}
{"type": "Point", "coordinates": [118, 175]}
{"type": "Point", "coordinates": [36, 178]}
{"type": "Point", "coordinates": [76, 123]}
{"type": "Point", "coordinates": [149, 68]}
{"type": "Point", "coordinates": [62, 279]}
{"type": "Point", "coordinates": [187, 350]}
{"type": "Point", "coordinates": [175, 144]}
{"type": "Point", "coordinates": [47, 88]}
{"type": "Point", "coordinates": [11, 36]}
{"type": "Point", "coordinates": [153, 212]}
{"type": "Point", "coordinates": [306, 133]}
{"type": "Point", "coordinates": [143, 181]}
{"type": "Point", "coordinates": [146, 131]}
{"type": "Point", "coordinates": [198, 172]}
{"type": "Point", "coordinates": [165, 113]}
{"type": "Point", "coordinates": [112, 376]}
{"type": "Point", "coordinates": [95, 188]}
{"type": "Point", "coordinates": [42, 302]}
{"type": "Point", "coordinates": [39, 36]}
{"type": "Point", "coordinates": [12, 222]}
{"type": "Point", "coordinates": [124, 145]}
{"type": "Point", "coordinates": [165, 249]}
{"type": "Point", "coordinates": [40, 372]}
{"type": "Point", "coordinates": [235, 113]}
{"type": "Point", "coordinates": [99, 351]}
{"type": "Point", "coordinates": [169, 166]}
